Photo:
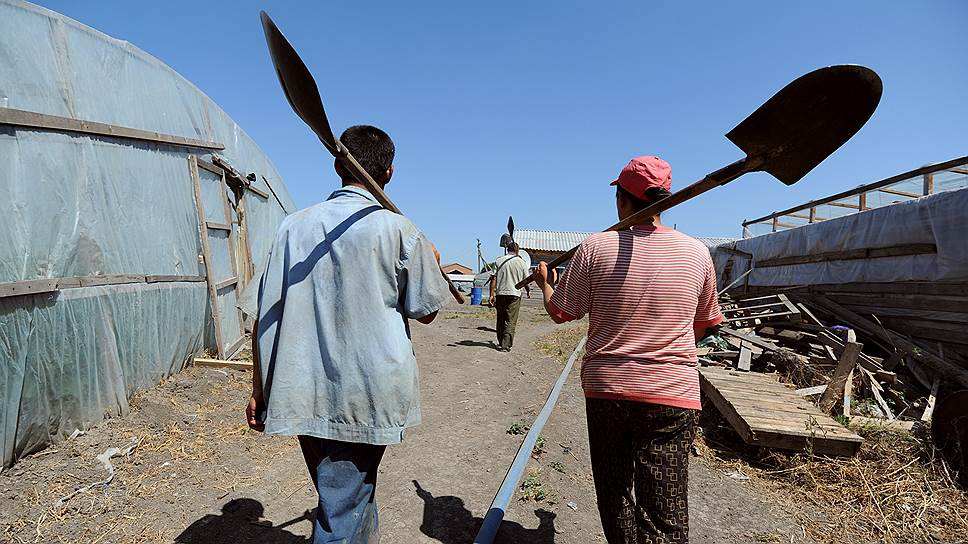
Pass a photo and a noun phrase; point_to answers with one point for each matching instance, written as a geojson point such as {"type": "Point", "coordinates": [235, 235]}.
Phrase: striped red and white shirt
{"type": "Point", "coordinates": [644, 290]}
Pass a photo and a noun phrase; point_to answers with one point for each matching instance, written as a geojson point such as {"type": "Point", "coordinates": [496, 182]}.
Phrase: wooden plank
{"type": "Point", "coordinates": [163, 278]}
{"type": "Point", "coordinates": [93, 281]}
{"type": "Point", "coordinates": [28, 287]}
{"type": "Point", "coordinates": [34, 120]}
{"type": "Point", "coordinates": [236, 346]}
{"type": "Point", "coordinates": [756, 341]}
{"type": "Point", "coordinates": [904, 176]}
{"type": "Point", "coordinates": [900, 193]}
{"type": "Point", "coordinates": [956, 373]}
{"type": "Point", "coordinates": [809, 391]}
{"type": "Point", "coordinates": [225, 283]}
{"type": "Point", "coordinates": [932, 398]}
{"type": "Point", "coordinates": [214, 225]}
{"type": "Point", "coordinates": [848, 391]}
{"type": "Point", "coordinates": [745, 356]}
{"type": "Point", "coordinates": [772, 415]}
{"type": "Point", "coordinates": [853, 254]}
{"type": "Point", "coordinates": [207, 255]}
{"type": "Point", "coordinates": [844, 205]}
{"type": "Point", "coordinates": [205, 165]}
{"type": "Point", "coordinates": [835, 388]}
{"type": "Point", "coordinates": [257, 191]}
{"type": "Point", "coordinates": [221, 363]}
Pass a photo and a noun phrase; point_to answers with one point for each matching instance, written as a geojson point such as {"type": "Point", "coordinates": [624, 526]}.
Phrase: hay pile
{"type": "Point", "coordinates": [896, 490]}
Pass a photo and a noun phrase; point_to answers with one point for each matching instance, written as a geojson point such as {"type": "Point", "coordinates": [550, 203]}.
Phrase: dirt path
{"type": "Point", "coordinates": [198, 475]}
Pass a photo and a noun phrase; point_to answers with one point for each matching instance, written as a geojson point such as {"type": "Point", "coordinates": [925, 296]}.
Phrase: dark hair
{"type": "Point", "coordinates": [513, 246]}
{"type": "Point", "coordinates": [652, 195]}
{"type": "Point", "coordinates": [371, 147]}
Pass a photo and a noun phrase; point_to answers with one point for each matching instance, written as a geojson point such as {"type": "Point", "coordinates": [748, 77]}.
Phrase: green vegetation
{"type": "Point", "coordinates": [557, 465]}
{"type": "Point", "coordinates": [518, 427]}
{"type": "Point", "coordinates": [531, 488]}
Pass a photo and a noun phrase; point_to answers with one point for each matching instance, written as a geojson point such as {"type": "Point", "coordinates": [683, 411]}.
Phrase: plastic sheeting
{"type": "Point", "coordinates": [937, 219]}
{"type": "Point", "coordinates": [80, 205]}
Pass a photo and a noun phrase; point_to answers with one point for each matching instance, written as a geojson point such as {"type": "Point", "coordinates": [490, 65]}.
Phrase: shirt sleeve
{"type": "Point", "coordinates": [708, 313]}
{"type": "Point", "coordinates": [423, 290]}
{"type": "Point", "coordinates": [572, 295]}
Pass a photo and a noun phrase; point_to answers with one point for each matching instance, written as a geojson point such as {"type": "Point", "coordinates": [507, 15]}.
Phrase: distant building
{"type": "Point", "coordinates": [456, 268]}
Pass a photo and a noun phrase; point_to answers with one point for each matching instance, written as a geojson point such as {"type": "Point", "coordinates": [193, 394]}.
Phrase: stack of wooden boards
{"type": "Point", "coordinates": [786, 372]}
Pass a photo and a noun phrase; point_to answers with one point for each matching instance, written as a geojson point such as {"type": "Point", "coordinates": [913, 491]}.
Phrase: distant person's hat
{"type": "Point", "coordinates": [643, 173]}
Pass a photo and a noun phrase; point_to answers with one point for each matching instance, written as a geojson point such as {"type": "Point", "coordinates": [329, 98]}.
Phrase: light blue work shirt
{"type": "Point", "coordinates": [342, 279]}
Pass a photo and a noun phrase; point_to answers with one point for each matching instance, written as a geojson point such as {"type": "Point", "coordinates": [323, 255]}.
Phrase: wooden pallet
{"type": "Point", "coordinates": [767, 413]}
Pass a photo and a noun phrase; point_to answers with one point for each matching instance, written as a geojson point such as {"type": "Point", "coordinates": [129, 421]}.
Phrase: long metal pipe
{"type": "Point", "coordinates": [495, 514]}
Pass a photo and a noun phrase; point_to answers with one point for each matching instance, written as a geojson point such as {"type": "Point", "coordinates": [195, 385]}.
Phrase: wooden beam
{"type": "Point", "coordinates": [808, 391]}
{"type": "Point", "coordinates": [900, 193]}
{"type": "Point", "coordinates": [162, 279]}
{"type": "Point", "coordinates": [257, 191]}
{"type": "Point", "coordinates": [932, 399]}
{"type": "Point", "coordinates": [205, 165]}
{"type": "Point", "coordinates": [938, 167]}
{"type": "Point", "coordinates": [218, 226]}
{"type": "Point", "coordinates": [34, 120]}
{"type": "Point", "coordinates": [932, 361]}
{"type": "Point", "coordinates": [853, 254]}
{"type": "Point", "coordinates": [959, 171]}
{"type": "Point", "coordinates": [928, 186]}
{"type": "Point", "coordinates": [28, 287]}
{"type": "Point", "coordinates": [839, 379]}
{"type": "Point", "coordinates": [225, 283]}
{"type": "Point", "coordinates": [206, 253]}
{"type": "Point", "coordinates": [844, 205]}
{"type": "Point", "coordinates": [221, 363]}
{"type": "Point", "coordinates": [744, 356]}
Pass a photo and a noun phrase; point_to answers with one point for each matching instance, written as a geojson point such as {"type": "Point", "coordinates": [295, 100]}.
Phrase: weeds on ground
{"type": "Point", "coordinates": [895, 490]}
{"type": "Point", "coordinates": [531, 489]}
{"type": "Point", "coordinates": [557, 465]}
{"type": "Point", "coordinates": [538, 447]}
{"type": "Point", "coordinates": [518, 427]}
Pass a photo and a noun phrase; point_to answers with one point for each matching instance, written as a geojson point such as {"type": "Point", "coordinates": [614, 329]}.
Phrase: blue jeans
{"type": "Point", "coordinates": [344, 474]}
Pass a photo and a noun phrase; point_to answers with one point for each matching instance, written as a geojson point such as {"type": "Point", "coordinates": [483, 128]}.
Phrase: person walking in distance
{"type": "Point", "coordinates": [333, 361]}
{"type": "Point", "coordinates": [649, 293]}
{"type": "Point", "coordinates": [511, 269]}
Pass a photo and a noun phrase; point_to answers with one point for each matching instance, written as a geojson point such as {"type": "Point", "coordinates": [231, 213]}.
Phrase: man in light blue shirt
{"type": "Point", "coordinates": [334, 364]}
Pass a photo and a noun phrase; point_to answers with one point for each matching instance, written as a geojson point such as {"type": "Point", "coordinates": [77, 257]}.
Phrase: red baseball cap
{"type": "Point", "coordinates": [643, 173]}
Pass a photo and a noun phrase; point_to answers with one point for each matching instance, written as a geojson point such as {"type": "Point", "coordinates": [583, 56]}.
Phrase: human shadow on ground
{"type": "Point", "coordinates": [474, 343]}
{"type": "Point", "coordinates": [241, 522]}
{"type": "Point", "coordinates": [485, 329]}
{"type": "Point", "coordinates": [448, 521]}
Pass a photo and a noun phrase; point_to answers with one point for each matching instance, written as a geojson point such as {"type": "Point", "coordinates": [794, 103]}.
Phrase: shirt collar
{"type": "Point", "coordinates": [351, 190]}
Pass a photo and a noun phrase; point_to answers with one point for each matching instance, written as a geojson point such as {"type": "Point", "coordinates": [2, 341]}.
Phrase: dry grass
{"type": "Point", "coordinates": [171, 462]}
{"type": "Point", "coordinates": [896, 490]}
{"type": "Point", "coordinates": [560, 343]}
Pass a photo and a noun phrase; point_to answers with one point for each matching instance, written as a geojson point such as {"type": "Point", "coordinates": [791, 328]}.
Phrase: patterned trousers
{"type": "Point", "coordinates": [640, 456]}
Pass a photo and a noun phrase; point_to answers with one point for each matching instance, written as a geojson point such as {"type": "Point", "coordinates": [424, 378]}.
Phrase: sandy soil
{"type": "Point", "coordinates": [198, 475]}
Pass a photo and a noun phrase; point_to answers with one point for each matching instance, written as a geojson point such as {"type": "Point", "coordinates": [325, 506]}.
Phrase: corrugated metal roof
{"type": "Point", "coordinates": [713, 241]}
{"type": "Point", "coordinates": [548, 240]}
{"type": "Point", "coordinates": [558, 240]}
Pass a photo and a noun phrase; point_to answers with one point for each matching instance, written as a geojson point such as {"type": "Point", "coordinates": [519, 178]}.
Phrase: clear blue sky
{"type": "Point", "coordinates": [530, 109]}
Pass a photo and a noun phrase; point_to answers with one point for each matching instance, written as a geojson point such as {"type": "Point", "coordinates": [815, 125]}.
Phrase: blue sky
{"type": "Point", "coordinates": [530, 109]}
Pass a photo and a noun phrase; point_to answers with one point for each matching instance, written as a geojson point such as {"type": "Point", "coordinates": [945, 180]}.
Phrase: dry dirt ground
{"type": "Point", "coordinates": [198, 475]}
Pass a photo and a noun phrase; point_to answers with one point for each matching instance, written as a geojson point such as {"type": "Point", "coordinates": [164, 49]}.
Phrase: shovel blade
{"type": "Point", "coordinates": [298, 83]}
{"type": "Point", "coordinates": [806, 121]}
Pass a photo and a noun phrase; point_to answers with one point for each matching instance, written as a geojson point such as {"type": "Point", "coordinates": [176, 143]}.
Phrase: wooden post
{"type": "Point", "coordinates": [835, 389]}
{"type": "Point", "coordinates": [813, 214]}
{"type": "Point", "coordinates": [776, 221]}
{"type": "Point", "coordinates": [862, 200]}
{"type": "Point", "coordinates": [207, 255]}
{"type": "Point", "coordinates": [928, 184]}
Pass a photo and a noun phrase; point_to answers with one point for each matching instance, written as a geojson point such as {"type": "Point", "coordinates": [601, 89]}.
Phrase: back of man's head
{"type": "Point", "coordinates": [513, 247]}
{"type": "Point", "coordinates": [372, 148]}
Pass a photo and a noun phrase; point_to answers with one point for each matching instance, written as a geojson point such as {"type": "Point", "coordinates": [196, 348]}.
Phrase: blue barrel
{"type": "Point", "coordinates": [476, 296]}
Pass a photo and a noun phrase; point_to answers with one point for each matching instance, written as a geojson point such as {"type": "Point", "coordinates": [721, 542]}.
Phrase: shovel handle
{"type": "Point", "coordinates": [716, 179]}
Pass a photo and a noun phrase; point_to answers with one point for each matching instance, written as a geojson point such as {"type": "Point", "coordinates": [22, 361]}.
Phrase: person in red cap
{"type": "Point", "coordinates": [649, 293]}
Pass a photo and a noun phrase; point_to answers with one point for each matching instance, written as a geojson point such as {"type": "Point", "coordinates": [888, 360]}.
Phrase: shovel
{"type": "Point", "coordinates": [303, 95]}
{"type": "Point", "coordinates": [794, 131]}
